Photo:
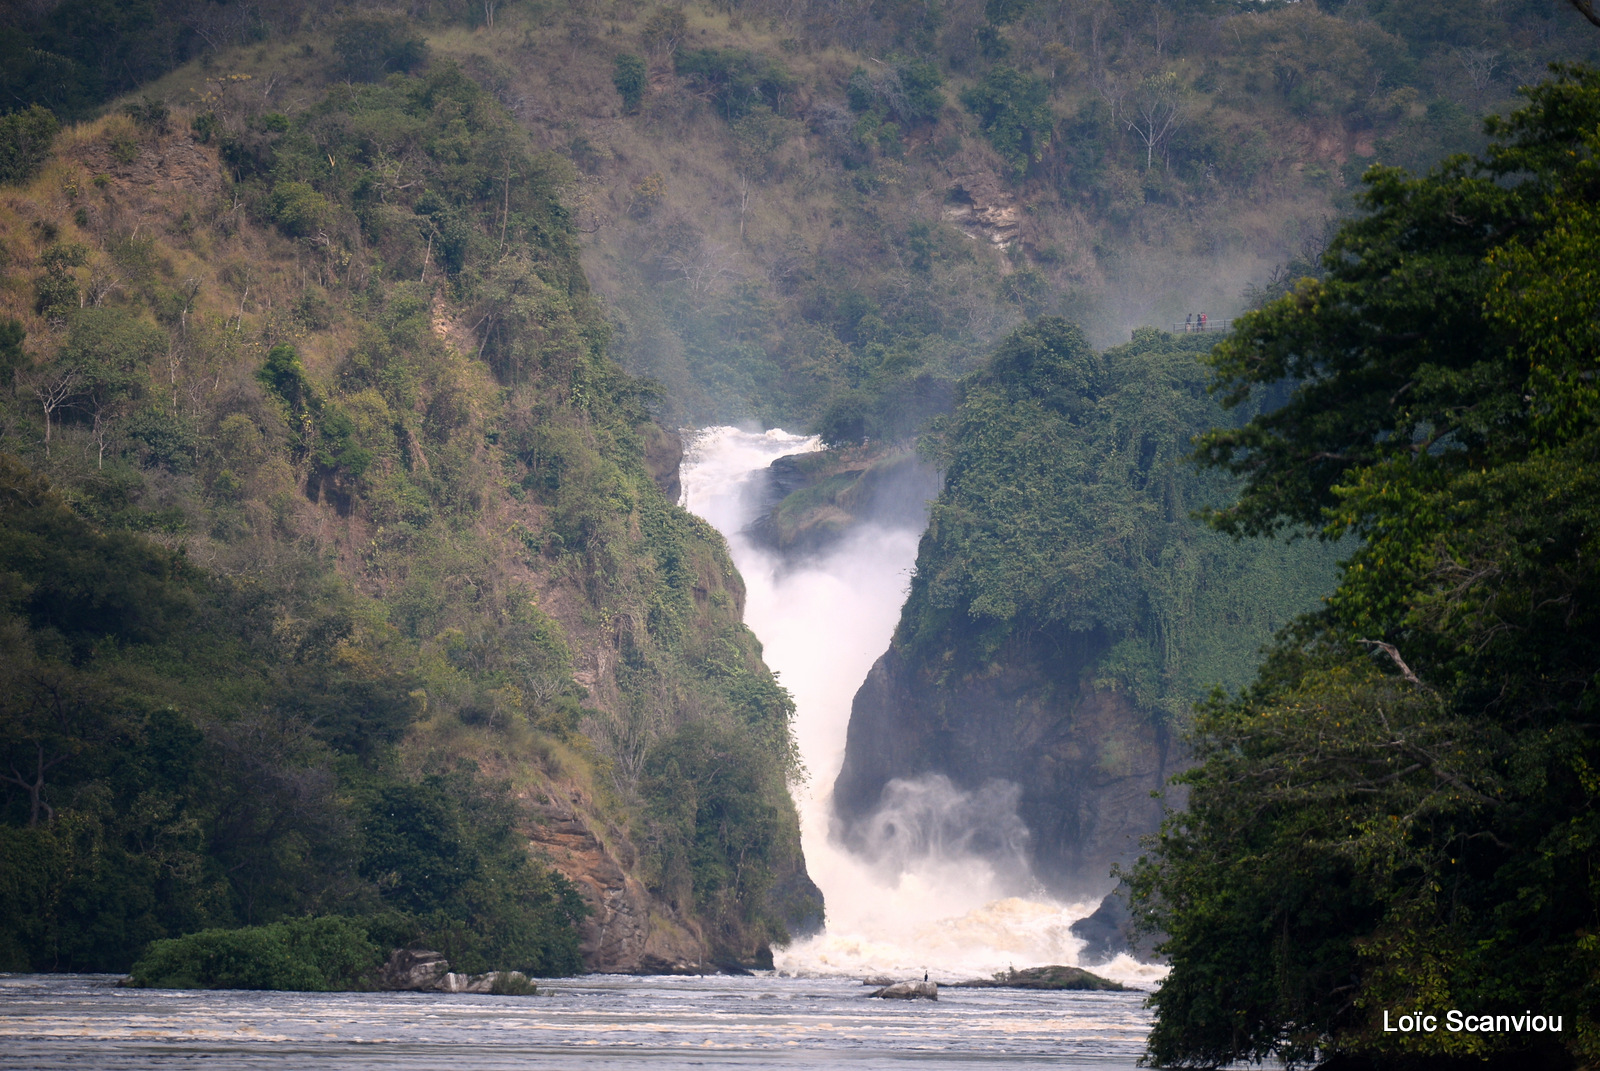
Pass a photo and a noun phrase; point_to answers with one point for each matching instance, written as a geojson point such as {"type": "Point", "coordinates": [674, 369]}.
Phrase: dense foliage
{"type": "Point", "coordinates": [1402, 815]}
{"type": "Point", "coordinates": [353, 367]}
{"type": "Point", "coordinates": [1065, 520]}
{"type": "Point", "coordinates": [174, 761]}
{"type": "Point", "coordinates": [311, 955]}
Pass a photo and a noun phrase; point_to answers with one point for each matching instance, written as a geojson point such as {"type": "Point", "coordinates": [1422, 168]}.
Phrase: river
{"type": "Point", "coordinates": [79, 1022]}
{"type": "Point", "coordinates": [822, 624]}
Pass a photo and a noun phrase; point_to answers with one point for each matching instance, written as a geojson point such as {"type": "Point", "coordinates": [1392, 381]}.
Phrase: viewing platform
{"type": "Point", "coordinates": [1210, 327]}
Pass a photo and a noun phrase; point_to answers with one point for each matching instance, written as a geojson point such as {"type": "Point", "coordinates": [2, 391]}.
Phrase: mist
{"type": "Point", "coordinates": [937, 878]}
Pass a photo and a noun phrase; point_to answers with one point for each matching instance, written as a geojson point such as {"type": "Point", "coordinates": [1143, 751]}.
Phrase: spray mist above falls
{"type": "Point", "coordinates": [938, 879]}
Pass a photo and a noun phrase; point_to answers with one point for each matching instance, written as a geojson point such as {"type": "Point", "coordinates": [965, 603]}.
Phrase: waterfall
{"type": "Point", "coordinates": [924, 901]}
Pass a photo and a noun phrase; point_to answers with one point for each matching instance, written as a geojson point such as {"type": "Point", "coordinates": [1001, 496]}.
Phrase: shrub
{"type": "Point", "coordinates": [629, 78]}
{"type": "Point", "coordinates": [296, 208]}
{"type": "Point", "coordinates": [1014, 112]}
{"type": "Point", "coordinates": [312, 955]}
{"type": "Point", "coordinates": [25, 140]}
{"type": "Point", "coordinates": [370, 48]}
{"type": "Point", "coordinates": [736, 80]}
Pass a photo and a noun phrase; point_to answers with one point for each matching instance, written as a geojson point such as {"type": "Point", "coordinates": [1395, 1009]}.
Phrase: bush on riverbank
{"type": "Point", "coordinates": [313, 955]}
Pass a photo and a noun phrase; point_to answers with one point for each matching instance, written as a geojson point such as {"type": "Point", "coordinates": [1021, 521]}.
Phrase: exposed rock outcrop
{"type": "Point", "coordinates": [628, 931]}
{"type": "Point", "coordinates": [908, 991]}
{"type": "Point", "coordinates": [1084, 761]}
{"type": "Point", "coordinates": [981, 206]}
{"type": "Point", "coordinates": [811, 501]}
{"type": "Point", "coordinates": [413, 970]}
{"type": "Point", "coordinates": [1109, 932]}
{"type": "Point", "coordinates": [1054, 977]}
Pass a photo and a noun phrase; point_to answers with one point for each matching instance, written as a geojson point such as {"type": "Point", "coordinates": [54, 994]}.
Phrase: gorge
{"type": "Point", "coordinates": [973, 779]}
{"type": "Point", "coordinates": [684, 494]}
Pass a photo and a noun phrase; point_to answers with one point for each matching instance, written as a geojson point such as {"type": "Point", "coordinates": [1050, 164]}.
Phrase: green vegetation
{"type": "Point", "coordinates": [1116, 166]}
{"type": "Point", "coordinates": [1400, 815]}
{"type": "Point", "coordinates": [25, 140]}
{"type": "Point", "coordinates": [331, 552]}
{"type": "Point", "coordinates": [172, 763]}
{"type": "Point", "coordinates": [1013, 112]}
{"type": "Point", "coordinates": [312, 955]}
{"type": "Point", "coordinates": [1066, 513]}
{"type": "Point", "coordinates": [631, 79]}
{"type": "Point", "coordinates": [1067, 978]}
{"type": "Point", "coordinates": [337, 548]}
{"type": "Point", "coordinates": [782, 223]}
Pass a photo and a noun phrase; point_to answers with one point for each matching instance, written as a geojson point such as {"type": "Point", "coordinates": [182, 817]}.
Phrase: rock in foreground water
{"type": "Point", "coordinates": [422, 971]}
{"type": "Point", "coordinates": [908, 991]}
{"type": "Point", "coordinates": [1055, 977]}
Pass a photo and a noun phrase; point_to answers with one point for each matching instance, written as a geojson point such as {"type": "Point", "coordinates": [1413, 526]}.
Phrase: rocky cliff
{"type": "Point", "coordinates": [1065, 614]}
{"type": "Point", "coordinates": [1085, 762]}
{"type": "Point", "coordinates": [812, 501]}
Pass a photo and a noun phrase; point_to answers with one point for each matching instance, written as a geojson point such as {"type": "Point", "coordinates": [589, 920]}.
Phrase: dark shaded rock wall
{"type": "Point", "coordinates": [1086, 761]}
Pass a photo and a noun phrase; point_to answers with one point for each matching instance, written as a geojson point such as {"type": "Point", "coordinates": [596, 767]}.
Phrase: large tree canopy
{"type": "Point", "coordinates": [1402, 815]}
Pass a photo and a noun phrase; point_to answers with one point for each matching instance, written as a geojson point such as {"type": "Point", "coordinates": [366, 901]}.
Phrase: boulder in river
{"type": "Point", "coordinates": [908, 991]}
{"type": "Point", "coordinates": [507, 983]}
{"type": "Point", "coordinates": [878, 980]}
{"type": "Point", "coordinates": [413, 970]}
{"type": "Point", "coordinates": [1056, 977]}
{"type": "Point", "coordinates": [418, 970]}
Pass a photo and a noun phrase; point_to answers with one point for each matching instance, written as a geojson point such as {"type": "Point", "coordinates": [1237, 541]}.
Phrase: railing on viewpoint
{"type": "Point", "coordinates": [1195, 326]}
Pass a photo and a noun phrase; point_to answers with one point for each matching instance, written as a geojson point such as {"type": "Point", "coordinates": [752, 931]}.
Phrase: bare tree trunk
{"type": "Point", "coordinates": [35, 787]}
{"type": "Point", "coordinates": [52, 395]}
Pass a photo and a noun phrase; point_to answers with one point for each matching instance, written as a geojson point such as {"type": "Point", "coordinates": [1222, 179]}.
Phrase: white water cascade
{"type": "Point", "coordinates": [822, 624]}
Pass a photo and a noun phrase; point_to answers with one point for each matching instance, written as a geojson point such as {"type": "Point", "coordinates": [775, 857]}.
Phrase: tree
{"type": "Point", "coordinates": [110, 350]}
{"type": "Point", "coordinates": [629, 77]}
{"type": "Point", "coordinates": [665, 27]}
{"type": "Point", "coordinates": [25, 140]}
{"type": "Point", "coordinates": [1159, 107]}
{"type": "Point", "coordinates": [1014, 111]}
{"type": "Point", "coordinates": [1400, 815]}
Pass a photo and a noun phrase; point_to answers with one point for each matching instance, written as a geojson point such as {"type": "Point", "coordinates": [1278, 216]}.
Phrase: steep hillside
{"type": "Point", "coordinates": [332, 367]}
{"type": "Point", "coordinates": [822, 215]}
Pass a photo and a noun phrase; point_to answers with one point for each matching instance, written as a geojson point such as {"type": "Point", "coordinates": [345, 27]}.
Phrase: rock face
{"type": "Point", "coordinates": [1109, 933]}
{"type": "Point", "coordinates": [413, 970]}
{"type": "Point", "coordinates": [812, 501]}
{"type": "Point", "coordinates": [982, 207]}
{"type": "Point", "coordinates": [628, 931]}
{"type": "Point", "coordinates": [410, 970]}
{"type": "Point", "coordinates": [908, 991]}
{"type": "Point", "coordinates": [1082, 762]}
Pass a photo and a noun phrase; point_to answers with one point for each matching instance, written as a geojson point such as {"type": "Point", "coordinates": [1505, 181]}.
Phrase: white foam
{"type": "Point", "coordinates": [822, 625]}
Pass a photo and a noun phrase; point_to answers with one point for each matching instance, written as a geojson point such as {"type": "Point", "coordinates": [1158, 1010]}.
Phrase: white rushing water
{"type": "Point", "coordinates": [822, 624]}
